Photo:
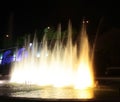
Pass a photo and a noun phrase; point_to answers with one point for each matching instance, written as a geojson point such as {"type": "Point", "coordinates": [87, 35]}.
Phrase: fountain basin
{"type": "Point", "coordinates": [22, 92]}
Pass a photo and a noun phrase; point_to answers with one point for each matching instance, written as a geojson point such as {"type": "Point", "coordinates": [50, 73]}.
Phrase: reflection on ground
{"type": "Point", "coordinates": [48, 92]}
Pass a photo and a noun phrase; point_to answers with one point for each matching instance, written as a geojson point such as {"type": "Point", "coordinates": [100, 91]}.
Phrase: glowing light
{"type": "Point", "coordinates": [7, 35]}
{"type": "Point", "coordinates": [7, 57]}
{"type": "Point", "coordinates": [48, 27]}
{"type": "Point", "coordinates": [84, 77]}
{"type": "Point", "coordinates": [14, 57]}
{"type": "Point", "coordinates": [30, 44]}
{"type": "Point", "coordinates": [85, 94]}
{"type": "Point", "coordinates": [1, 58]}
{"type": "Point", "coordinates": [63, 67]}
{"type": "Point", "coordinates": [0, 61]}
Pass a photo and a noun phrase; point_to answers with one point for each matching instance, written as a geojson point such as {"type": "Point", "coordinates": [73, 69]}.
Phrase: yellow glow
{"type": "Point", "coordinates": [85, 93]}
{"type": "Point", "coordinates": [84, 77]}
{"type": "Point", "coordinates": [62, 67]}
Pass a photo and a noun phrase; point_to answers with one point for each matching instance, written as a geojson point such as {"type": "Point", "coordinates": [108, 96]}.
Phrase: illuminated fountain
{"type": "Point", "coordinates": [60, 67]}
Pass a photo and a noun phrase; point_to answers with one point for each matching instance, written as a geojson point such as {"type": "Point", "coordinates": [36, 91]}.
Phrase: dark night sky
{"type": "Point", "coordinates": [31, 15]}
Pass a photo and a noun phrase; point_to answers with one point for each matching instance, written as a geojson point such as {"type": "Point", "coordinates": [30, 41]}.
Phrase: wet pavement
{"type": "Point", "coordinates": [21, 92]}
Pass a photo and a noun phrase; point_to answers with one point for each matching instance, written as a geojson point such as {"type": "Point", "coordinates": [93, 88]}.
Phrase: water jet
{"type": "Point", "coordinates": [65, 73]}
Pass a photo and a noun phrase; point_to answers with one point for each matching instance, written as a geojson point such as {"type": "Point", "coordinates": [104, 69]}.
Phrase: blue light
{"type": "Point", "coordinates": [21, 53]}
{"type": "Point", "coordinates": [7, 57]}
